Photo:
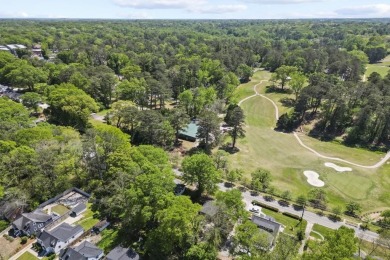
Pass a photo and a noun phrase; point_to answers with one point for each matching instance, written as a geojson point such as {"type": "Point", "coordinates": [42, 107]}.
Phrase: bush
{"type": "Point", "coordinates": [291, 215]}
{"type": "Point", "coordinates": [258, 203]}
{"type": "Point", "coordinates": [23, 240]}
{"type": "Point", "coordinates": [9, 238]}
{"type": "Point", "coordinates": [3, 225]}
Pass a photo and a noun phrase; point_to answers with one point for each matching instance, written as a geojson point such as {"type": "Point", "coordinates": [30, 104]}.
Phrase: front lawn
{"type": "Point", "coordinates": [291, 225]}
{"type": "Point", "coordinates": [27, 256]}
{"type": "Point", "coordinates": [322, 230]}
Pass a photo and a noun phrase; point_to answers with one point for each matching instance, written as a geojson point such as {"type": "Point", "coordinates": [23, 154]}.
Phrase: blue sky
{"type": "Point", "coordinates": [194, 9]}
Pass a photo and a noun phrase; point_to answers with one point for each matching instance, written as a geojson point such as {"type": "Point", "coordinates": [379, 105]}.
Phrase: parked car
{"type": "Point", "coordinates": [179, 189]}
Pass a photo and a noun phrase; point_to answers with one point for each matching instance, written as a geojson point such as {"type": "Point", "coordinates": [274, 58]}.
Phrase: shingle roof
{"type": "Point", "coordinates": [36, 216]}
{"type": "Point", "coordinates": [79, 208]}
{"type": "Point", "coordinates": [63, 232]}
{"type": "Point", "coordinates": [88, 249]}
{"type": "Point", "coordinates": [266, 224]}
{"type": "Point", "coordinates": [120, 253]}
{"type": "Point", "coordinates": [82, 252]}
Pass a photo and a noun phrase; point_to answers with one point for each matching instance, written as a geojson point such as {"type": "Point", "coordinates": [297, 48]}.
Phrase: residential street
{"type": "Point", "coordinates": [310, 217]}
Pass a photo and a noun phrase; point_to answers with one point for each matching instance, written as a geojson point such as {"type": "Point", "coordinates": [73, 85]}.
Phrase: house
{"type": "Point", "coordinates": [37, 51]}
{"type": "Point", "coordinates": [269, 225]}
{"type": "Point", "coordinates": [189, 133]}
{"type": "Point", "coordinates": [59, 238]}
{"type": "Point", "coordinates": [84, 251]}
{"type": "Point", "coordinates": [121, 253]}
{"type": "Point", "coordinates": [100, 226]}
{"type": "Point", "coordinates": [3, 48]}
{"type": "Point", "coordinates": [31, 223]}
{"type": "Point", "coordinates": [78, 209]}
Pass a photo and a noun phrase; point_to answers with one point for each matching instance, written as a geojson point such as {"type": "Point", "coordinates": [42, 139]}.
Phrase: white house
{"type": "Point", "coordinates": [59, 238]}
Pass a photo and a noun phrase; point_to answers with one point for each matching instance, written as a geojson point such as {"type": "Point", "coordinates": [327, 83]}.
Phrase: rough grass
{"type": "Point", "coordinates": [59, 209]}
{"type": "Point", "coordinates": [291, 225]}
{"type": "Point", "coordinates": [108, 241]}
{"type": "Point", "coordinates": [286, 159]}
{"type": "Point", "coordinates": [375, 250]}
{"type": "Point", "coordinates": [27, 256]}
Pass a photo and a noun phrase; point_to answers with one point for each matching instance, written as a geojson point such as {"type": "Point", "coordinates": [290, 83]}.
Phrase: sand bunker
{"type": "Point", "coordinates": [338, 168]}
{"type": "Point", "coordinates": [313, 179]}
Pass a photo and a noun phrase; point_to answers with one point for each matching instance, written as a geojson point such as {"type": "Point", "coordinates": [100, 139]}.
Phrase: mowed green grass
{"type": "Point", "coordinates": [286, 159]}
{"type": "Point", "coordinates": [382, 67]}
{"type": "Point", "coordinates": [291, 225]}
{"type": "Point", "coordinates": [27, 256]}
{"type": "Point", "coordinates": [60, 209]}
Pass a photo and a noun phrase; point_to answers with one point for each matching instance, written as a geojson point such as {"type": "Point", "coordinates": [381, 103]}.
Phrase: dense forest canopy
{"type": "Point", "coordinates": [138, 69]}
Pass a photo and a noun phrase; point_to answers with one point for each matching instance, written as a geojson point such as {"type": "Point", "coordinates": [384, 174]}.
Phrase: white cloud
{"type": "Point", "coordinates": [21, 14]}
{"type": "Point", "coordinates": [375, 10]}
{"type": "Point", "coordinates": [159, 4]}
{"type": "Point", "coordinates": [218, 9]}
{"type": "Point", "coordinates": [282, 2]}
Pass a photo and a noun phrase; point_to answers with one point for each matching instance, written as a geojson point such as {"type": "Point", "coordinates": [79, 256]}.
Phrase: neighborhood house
{"type": "Point", "coordinates": [31, 223]}
{"type": "Point", "coordinates": [84, 251]}
{"type": "Point", "coordinates": [121, 253]}
{"type": "Point", "coordinates": [59, 238]}
{"type": "Point", "coordinates": [269, 225]}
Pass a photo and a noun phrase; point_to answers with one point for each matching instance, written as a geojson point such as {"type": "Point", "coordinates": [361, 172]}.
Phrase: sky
{"type": "Point", "coordinates": [195, 9]}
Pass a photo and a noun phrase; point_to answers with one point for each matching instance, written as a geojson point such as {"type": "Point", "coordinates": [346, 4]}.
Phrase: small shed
{"type": "Point", "coordinates": [78, 209]}
{"type": "Point", "coordinates": [189, 133]}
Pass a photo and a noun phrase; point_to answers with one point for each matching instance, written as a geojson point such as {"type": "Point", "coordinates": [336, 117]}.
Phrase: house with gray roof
{"type": "Point", "coordinates": [31, 223]}
{"type": "Point", "coordinates": [121, 253]}
{"type": "Point", "coordinates": [78, 209]}
{"type": "Point", "coordinates": [268, 225]}
{"type": "Point", "coordinates": [54, 240]}
{"type": "Point", "coordinates": [85, 251]}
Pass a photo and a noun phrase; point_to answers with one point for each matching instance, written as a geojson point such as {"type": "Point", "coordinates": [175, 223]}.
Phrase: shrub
{"type": "Point", "coordinates": [291, 215]}
{"type": "Point", "coordinates": [9, 238]}
{"type": "Point", "coordinates": [258, 203]}
{"type": "Point", "coordinates": [23, 240]}
{"type": "Point", "coordinates": [3, 225]}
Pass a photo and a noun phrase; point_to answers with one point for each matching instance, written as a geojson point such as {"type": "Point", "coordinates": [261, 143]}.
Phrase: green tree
{"type": "Point", "coordinates": [340, 244]}
{"type": "Point", "coordinates": [232, 204]}
{"type": "Point", "coordinates": [201, 251]}
{"type": "Point", "coordinates": [286, 195]}
{"type": "Point", "coordinates": [283, 74]}
{"type": "Point", "coordinates": [249, 240]}
{"type": "Point", "coordinates": [180, 222]}
{"type": "Point", "coordinates": [208, 128]}
{"type": "Point", "coordinates": [235, 118]}
{"type": "Point", "coordinates": [31, 100]}
{"type": "Point", "coordinates": [179, 120]}
{"type": "Point", "coordinates": [297, 82]}
{"type": "Point", "coordinates": [233, 175]}
{"type": "Point", "coordinates": [244, 72]}
{"type": "Point", "coordinates": [13, 116]}
{"type": "Point", "coordinates": [301, 200]}
{"type": "Point", "coordinates": [27, 76]}
{"type": "Point", "coordinates": [70, 106]}
{"type": "Point", "coordinates": [261, 179]}
{"type": "Point", "coordinates": [352, 208]}
{"type": "Point", "coordinates": [186, 100]}
{"type": "Point", "coordinates": [199, 169]}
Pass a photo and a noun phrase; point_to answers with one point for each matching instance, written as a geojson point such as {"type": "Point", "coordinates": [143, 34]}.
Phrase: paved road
{"type": "Point", "coordinates": [308, 216]}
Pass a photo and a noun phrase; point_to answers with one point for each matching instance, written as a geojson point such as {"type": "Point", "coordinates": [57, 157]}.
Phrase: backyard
{"type": "Point", "coordinates": [287, 159]}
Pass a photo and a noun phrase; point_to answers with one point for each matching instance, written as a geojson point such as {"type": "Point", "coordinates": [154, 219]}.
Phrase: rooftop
{"type": "Point", "coordinates": [120, 253]}
{"type": "Point", "coordinates": [191, 130]}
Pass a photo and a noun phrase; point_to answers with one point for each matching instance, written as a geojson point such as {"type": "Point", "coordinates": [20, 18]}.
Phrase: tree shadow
{"type": "Point", "coordinates": [297, 207]}
{"type": "Point", "coordinates": [228, 184]}
{"type": "Point", "coordinates": [287, 102]}
{"type": "Point", "coordinates": [229, 149]}
{"type": "Point", "coordinates": [269, 198]}
{"type": "Point", "coordinates": [254, 193]}
{"type": "Point", "coordinates": [283, 203]}
{"type": "Point", "coordinates": [334, 218]}
{"type": "Point", "coordinates": [274, 89]}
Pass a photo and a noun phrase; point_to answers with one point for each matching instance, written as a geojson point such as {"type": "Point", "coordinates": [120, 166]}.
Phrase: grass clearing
{"type": "Point", "coordinates": [108, 241]}
{"type": "Point", "coordinates": [60, 209]}
{"type": "Point", "coordinates": [291, 225]}
{"type": "Point", "coordinates": [286, 159]}
{"type": "Point", "coordinates": [27, 256]}
{"type": "Point", "coordinates": [382, 67]}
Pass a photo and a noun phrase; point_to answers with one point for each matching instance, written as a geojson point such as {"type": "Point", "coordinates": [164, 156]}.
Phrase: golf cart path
{"type": "Point", "coordinates": [377, 165]}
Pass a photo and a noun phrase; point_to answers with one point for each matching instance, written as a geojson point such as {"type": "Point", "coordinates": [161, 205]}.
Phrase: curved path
{"type": "Point", "coordinates": [377, 165]}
